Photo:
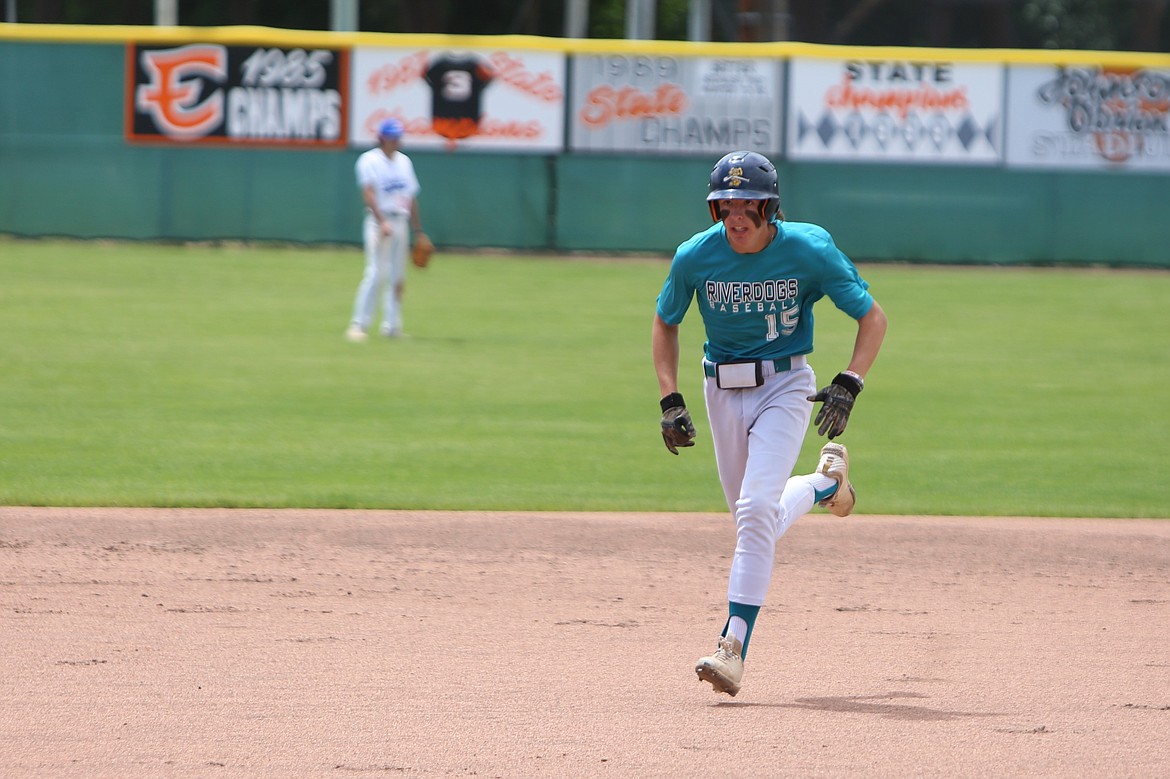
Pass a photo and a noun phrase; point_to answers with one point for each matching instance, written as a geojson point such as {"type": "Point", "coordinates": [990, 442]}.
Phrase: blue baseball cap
{"type": "Point", "coordinates": [391, 128]}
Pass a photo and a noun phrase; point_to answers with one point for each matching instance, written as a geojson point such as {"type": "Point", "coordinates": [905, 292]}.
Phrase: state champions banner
{"type": "Point", "coordinates": [660, 104]}
{"type": "Point", "coordinates": [896, 111]}
{"type": "Point", "coordinates": [474, 100]}
{"type": "Point", "coordinates": [1089, 117]}
{"type": "Point", "coordinates": [249, 95]}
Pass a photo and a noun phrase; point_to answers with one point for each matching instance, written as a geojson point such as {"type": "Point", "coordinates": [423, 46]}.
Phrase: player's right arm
{"type": "Point", "coordinates": [370, 198]}
{"type": "Point", "coordinates": [664, 346]}
{"type": "Point", "coordinates": [677, 427]}
{"type": "Point", "coordinates": [367, 179]}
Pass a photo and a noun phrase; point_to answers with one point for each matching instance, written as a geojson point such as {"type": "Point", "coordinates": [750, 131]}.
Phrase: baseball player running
{"type": "Point", "coordinates": [390, 191]}
{"type": "Point", "coordinates": [755, 278]}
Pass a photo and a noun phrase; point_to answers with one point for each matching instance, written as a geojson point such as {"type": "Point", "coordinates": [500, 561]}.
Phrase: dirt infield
{"type": "Point", "coordinates": [226, 643]}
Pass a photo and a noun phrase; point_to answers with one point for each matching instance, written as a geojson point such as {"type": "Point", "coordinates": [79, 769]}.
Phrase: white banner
{"type": "Point", "coordinates": [675, 105]}
{"type": "Point", "coordinates": [888, 110]}
{"type": "Point", "coordinates": [465, 100]}
{"type": "Point", "coordinates": [1089, 117]}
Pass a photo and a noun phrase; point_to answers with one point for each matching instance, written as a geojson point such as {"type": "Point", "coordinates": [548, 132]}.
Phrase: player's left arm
{"type": "Point", "coordinates": [871, 332]}
{"type": "Point", "coordinates": [415, 216]}
{"type": "Point", "coordinates": [413, 188]}
{"type": "Point", "coordinates": [837, 398]}
{"type": "Point", "coordinates": [423, 248]}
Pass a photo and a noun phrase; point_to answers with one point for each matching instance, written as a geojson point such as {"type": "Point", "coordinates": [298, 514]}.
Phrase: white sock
{"type": "Point", "coordinates": [820, 482]}
{"type": "Point", "coordinates": [737, 627]}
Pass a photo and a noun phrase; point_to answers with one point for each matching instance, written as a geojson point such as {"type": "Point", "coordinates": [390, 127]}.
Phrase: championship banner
{"type": "Point", "coordinates": [1088, 117]}
{"type": "Point", "coordinates": [258, 95]}
{"type": "Point", "coordinates": [467, 100]}
{"type": "Point", "coordinates": [675, 105]}
{"type": "Point", "coordinates": [894, 111]}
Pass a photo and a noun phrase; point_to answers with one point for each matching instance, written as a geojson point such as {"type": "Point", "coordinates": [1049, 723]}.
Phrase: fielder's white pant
{"type": "Point", "coordinates": [757, 434]}
{"type": "Point", "coordinates": [385, 272]}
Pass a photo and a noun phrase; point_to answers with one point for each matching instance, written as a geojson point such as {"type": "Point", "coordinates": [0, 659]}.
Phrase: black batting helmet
{"type": "Point", "coordinates": [745, 175]}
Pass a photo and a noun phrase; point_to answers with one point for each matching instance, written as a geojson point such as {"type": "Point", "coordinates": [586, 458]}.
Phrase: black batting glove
{"type": "Point", "coordinates": [677, 428]}
{"type": "Point", "coordinates": [837, 399]}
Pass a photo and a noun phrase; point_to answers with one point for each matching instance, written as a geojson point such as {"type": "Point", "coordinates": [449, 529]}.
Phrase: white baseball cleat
{"type": "Point", "coordinates": [355, 334]}
{"type": "Point", "coordinates": [724, 669]}
{"type": "Point", "coordinates": [835, 464]}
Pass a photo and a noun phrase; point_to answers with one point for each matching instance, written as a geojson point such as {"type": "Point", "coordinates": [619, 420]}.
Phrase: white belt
{"type": "Point", "coordinates": [750, 373]}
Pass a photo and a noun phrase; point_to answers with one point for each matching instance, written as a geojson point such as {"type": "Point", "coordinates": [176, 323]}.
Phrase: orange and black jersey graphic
{"type": "Point", "coordinates": [457, 84]}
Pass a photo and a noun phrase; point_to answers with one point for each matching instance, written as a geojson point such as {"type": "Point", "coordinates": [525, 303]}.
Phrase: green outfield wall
{"type": "Point", "coordinates": [66, 169]}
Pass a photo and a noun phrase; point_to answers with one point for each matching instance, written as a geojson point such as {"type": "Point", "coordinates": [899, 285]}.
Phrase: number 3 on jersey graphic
{"type": "Point", "coordinates": [457, 84]}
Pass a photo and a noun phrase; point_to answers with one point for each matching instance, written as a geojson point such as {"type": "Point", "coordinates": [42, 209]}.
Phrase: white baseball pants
{"type": "Point", "coordinates": [758, 433]}
{"type": "Point", "coordinates": [385, 271]}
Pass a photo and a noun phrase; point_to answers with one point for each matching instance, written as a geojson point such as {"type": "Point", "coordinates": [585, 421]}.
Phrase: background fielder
{"type": "Point", "coordinates": [755, 279]}
{"type": "Point", "coordinates": [390, 192]}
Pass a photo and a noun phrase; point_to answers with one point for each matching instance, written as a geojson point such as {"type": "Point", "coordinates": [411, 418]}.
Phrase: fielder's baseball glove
{"type": "Point", "coordinates": [421, 253]}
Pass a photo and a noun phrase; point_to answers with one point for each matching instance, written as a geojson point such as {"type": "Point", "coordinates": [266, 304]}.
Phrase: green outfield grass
{"type": "Point", "coordinates": [138, 374]}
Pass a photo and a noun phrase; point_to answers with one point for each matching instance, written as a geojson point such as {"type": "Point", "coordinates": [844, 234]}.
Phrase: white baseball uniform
{"type": "Point", "coordinates": [396, 186]}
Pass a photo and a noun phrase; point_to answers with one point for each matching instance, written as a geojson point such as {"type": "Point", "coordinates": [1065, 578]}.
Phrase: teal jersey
{"type": "Point", "coordinates": [760, 306]}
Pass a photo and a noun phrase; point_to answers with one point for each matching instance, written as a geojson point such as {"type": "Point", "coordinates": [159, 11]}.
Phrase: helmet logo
{"type": "Point", "coordinates": [735, 177]}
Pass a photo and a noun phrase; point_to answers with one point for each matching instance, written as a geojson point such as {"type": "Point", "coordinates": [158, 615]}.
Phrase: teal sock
{"type": "Point", "coordinates": [748, 614]}
{"type": "Point", "coordinates": [825, 494]}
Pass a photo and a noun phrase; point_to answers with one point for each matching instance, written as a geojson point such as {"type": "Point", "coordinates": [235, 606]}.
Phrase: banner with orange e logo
{"type": "Point", "coordinates": [251, 95]}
